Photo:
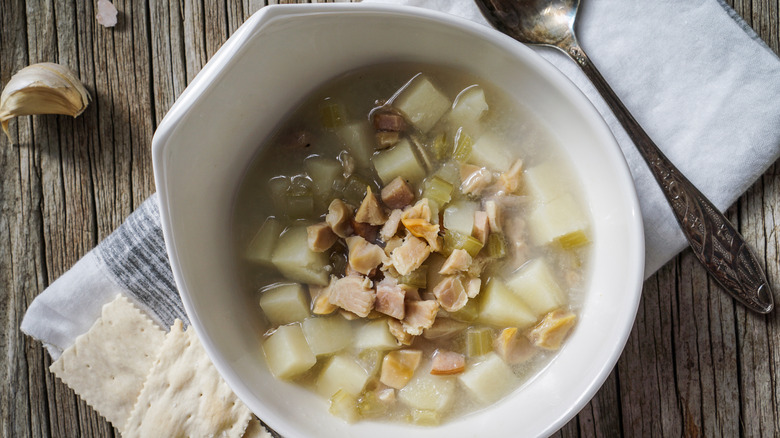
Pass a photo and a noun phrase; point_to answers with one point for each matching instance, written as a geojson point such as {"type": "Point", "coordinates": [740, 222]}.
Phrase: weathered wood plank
{"type": "Point", "coordinates": [695, 364]}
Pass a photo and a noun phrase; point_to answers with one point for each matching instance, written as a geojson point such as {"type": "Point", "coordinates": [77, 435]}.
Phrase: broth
{"type": "Point", "coordinates": [502, 234]}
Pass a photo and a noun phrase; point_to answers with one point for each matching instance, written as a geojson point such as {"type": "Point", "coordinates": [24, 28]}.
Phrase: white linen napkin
{"type": "Point", "coordinates": [696, 77]}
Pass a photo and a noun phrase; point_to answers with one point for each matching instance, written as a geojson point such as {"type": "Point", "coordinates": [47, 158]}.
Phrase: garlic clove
{"type": "Point", "coordinates": [44, 88]}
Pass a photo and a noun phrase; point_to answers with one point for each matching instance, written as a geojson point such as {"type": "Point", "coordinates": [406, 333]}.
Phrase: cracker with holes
{"type": "Point", "coordinates": [108, 364]}
{"type": "Point", "coordinates": [184, 395]}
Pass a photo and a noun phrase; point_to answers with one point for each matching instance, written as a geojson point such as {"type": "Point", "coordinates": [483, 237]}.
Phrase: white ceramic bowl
{"type": "Point", "coordinates": [273, 61]}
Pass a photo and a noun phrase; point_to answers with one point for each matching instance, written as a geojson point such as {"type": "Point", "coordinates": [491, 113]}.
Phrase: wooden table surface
{"type": "Point", "coordinates": [696, 364]}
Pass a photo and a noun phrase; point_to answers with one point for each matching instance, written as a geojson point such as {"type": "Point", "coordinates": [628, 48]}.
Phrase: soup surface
{"type": "Point", "coordinates": [416, 243]}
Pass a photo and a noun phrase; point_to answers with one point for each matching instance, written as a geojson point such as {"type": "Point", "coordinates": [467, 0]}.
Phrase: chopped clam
{"type": "Point", "coordinates": [473, 286]}
{"type": "Point", "coordinates": [370, 211]}
{"type": "Point", "coordinates": [554, 327]}
{"type": "Point", "coordinates": [390, 228]}
{"type": "Point", "coordinates": [320, 298]}
{"type": "Point", "coordinates": [510, 180]}
{"type": "Point", "coordinates": [458, 261]}
{"type": "Point", "coordinates": [420, 210]}
{"type": "Point", "coordinates": [397, 194]}
{"type": "Point", "coordinates": [397, 330]}
{"type": "Point", "coordinates": [321, 237]}
{"type": "Point", "coordinates": [410, 255]}
{"type": "Point", "coordinates": [450, 294]}
{"type": "Point", "coordinates": [446, 363]}
{"type": "Point", "coordinates": [354, 294]}
{"type": "Point", "coordinates": [493, 214]}
{"type": "Point", "coordinates": [398, 367]}
{"type": "Point", "coordinates": [419, 316]}
{"type": "Point", "coordinates": [512, 347]}
{"type": "Point", "coordinates": [420, 227]}
{"type": "Point", "coordinates": [363, 256]}
{"type": "Point", "coordinates": [481, 228]}
{"type": "Point", "coordinates": [338, 217]}
{"type": "Point", "coordinates": [477, 182]}
{"type": "Point", "coordinates": [390, 298]}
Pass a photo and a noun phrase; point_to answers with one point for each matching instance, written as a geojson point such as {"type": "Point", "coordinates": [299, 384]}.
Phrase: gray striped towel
{"type": "Point", "coordinates": [131, 261]}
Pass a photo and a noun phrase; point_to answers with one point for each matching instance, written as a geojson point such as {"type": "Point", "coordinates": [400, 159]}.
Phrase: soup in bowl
{"type": "Point", "coordinates": [399, 218]}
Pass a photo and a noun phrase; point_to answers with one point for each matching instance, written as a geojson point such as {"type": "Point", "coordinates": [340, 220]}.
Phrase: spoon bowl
{"type": "Point", "coordinates": [540, 22]}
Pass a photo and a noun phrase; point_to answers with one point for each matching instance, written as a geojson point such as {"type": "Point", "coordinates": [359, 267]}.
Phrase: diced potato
{"type": "Point", "coordinates": [490, 151]}
{"type": "Point", "coordinates": [287, 353]}
{"type": "Point", "coordinates": [323, 172]}
{"type": "Point", "coordinates": [293, 258]}
{"type": "Point", "coordinates": [277, 188]}
{"type": "Point", "coordinates": [555, 220]}
{"type": "Point", "coordinates": [345, 406]}
{"type": "Point", "coordinates": [489, 380]}
{"type": "Point", "coordinates": [327, 335]}
{"type": "Point", "coordinates": [544, 182]}
{"type": "Point", "coordinates": [459, 216]}
{"type": "Point", "coordinates": [399, 160]}
{"type": "Point", "coordinates": [421, 103]}
{"type": "Point", "coordinates": [261, 248]}
{"type": "Point", "coordinates": [468, 108]}
{"type": "Point", "coordinates": [500, 307]}
{"type": "Point", "coordinates": [375, 335]}
{"type": "Point", "coordinates": [341, 373]}
{"type": "Point", "coordinates": [428, 392]}
{"type": "Point", "coordinates": [285, 303]}
{"type": "Point", "coordinates": [359, 139]}
{"type": "Point", "coordinates": [535, 285]}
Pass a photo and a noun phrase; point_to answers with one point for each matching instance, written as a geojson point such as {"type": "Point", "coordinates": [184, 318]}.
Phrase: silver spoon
{"type": "Point", "coordinates": [717, 245]}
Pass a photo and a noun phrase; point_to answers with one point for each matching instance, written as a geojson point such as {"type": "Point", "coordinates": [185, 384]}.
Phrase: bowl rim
{"type": "Point", "coordinates": [216, 67]}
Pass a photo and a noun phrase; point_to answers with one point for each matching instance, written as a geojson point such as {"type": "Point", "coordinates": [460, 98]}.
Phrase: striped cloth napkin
{"type": "Point", "coordinates": [706, 88]}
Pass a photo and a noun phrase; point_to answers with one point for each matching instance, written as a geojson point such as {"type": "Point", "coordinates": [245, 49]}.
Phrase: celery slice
{"type": "Point", "coordinates": [425, 417]}
{"type": "Point", "coordinates": [496, 246]}
{"type": "Point", "coordinates": [355, 189]}
{"type": "Point", "coordinates": [463, 146]}
{"type": "Point", "coordinates": [454, 240]}
{"type": "Point", "coordinates": [438, 190]}
{"type": "Point", "coordinates": [417, 278]}
{"type": "Point", "coordinates": [468, 313]}
{"type": "Point", "coordinates": [573, 240]}
{"type": "Point", "coordinates": [441, 147]}
{"type": "Point", "coordinates": [344, 406]}
{"type": "Point", "coordinates": [332, 114]}
{"type": "Point", "coordinates": [479, 341]}
{"type": "Point", "coordinates": [369, 405]}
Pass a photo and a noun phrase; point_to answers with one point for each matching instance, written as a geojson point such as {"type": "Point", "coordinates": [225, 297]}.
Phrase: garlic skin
{"type": "Point", "coordinates": [106, 14]}
{"type": "Point", "coordinates": [45, 88]}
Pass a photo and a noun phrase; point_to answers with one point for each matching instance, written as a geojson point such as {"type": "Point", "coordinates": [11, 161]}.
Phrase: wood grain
{"type": "Point", "coordinates": [695, 364]}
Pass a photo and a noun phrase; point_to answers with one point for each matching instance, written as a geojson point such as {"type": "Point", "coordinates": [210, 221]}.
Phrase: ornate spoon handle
{"type": "Point", "coordinates": [717, 245]}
